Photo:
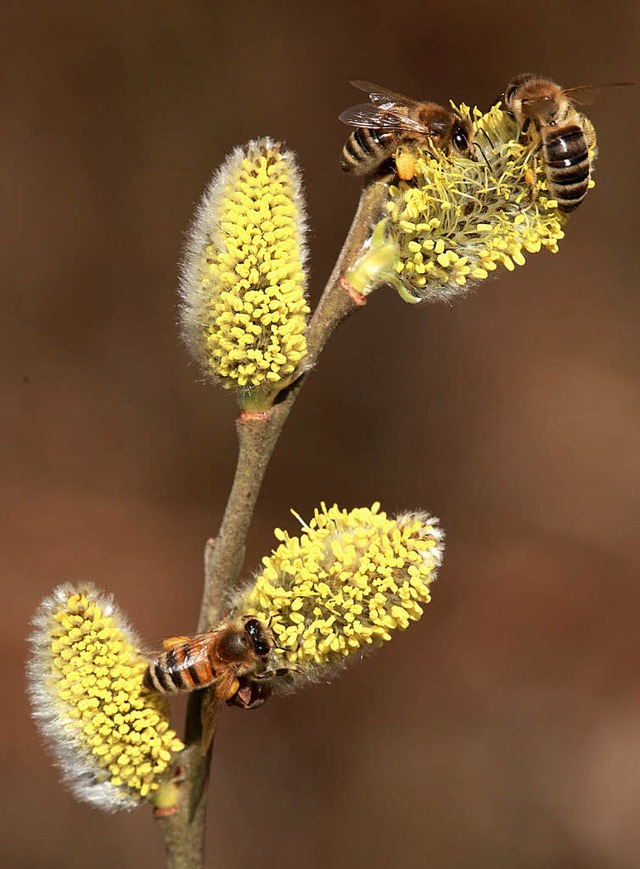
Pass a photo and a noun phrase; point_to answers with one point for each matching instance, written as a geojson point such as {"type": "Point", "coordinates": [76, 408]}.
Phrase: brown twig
{"type": "Point", "coordinates": [183, 831]}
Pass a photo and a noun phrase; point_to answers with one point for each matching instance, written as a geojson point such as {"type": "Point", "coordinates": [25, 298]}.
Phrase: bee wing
{"type": "Point", "coordinates": [381, 96]}
{"type": "Point", "coordinates": [537, 104]}
{"type": "Point", "coordinates": [376, 118]}
{"type": "Point", "coordinates": [198, 645]}
{"type": "Point", "coordinates": [585, 94]}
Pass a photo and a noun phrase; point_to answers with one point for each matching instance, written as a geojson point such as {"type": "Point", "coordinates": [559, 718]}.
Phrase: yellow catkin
{"type": "Point", "coordinates": [110, 735]}
{"type": "Point", "coordinates": [345, 584]}
{"type": "Point", "coordinates": [244, 309]}
{"type": "Point", "coordinates": [459, 219]}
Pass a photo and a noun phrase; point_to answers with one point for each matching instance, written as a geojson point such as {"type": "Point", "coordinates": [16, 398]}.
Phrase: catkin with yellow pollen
{"type": "Point", "coordinates": [459, 219]}
{"type": "Point", "coordinates": [244, 310]}
{"type": "Point", "coordinates": [110, 735]}
{"type": "Point", "coordinates": [345, 584]}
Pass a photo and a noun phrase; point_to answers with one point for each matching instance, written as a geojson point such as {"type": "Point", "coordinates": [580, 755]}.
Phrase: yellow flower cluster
{"type": "Point", "coordinates": [345, 584]}
{"type": "Point", "coordinates": [110, 735]}
{"type": "Point", "coordinates": [244, 308]}
{"type": "Point", "coordinates": [459, 219]}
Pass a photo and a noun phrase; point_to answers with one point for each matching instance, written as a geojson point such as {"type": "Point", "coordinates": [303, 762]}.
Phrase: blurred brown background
{"type": "Point", "coordinates": [504, 729]}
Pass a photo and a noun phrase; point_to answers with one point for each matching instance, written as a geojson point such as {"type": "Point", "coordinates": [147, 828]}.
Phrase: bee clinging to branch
{"type": "Point", "coordinates": [231, 658]}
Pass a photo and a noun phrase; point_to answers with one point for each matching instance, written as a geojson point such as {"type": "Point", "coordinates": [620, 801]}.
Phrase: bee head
{"type": "Point", "coordinates": [462, 136]}
{"type": "Point", "coordinates": [512, 92]}
{"type": "Point", "coordinates": [256, 631]}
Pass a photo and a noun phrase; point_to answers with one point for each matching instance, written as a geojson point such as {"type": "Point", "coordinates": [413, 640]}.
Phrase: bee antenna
{"type": "Point", "coordinates": [483, 156]}
{"type": "Point", "coordinates": [488, 138]}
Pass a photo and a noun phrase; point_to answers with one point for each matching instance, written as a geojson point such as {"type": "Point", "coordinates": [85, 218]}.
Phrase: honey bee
{"type": "Point", "coordinates": [543, 109]}
{"type": "Point", "coordinates": [390, 120]}
{"type": "Point", "coordinates": [234, 658]}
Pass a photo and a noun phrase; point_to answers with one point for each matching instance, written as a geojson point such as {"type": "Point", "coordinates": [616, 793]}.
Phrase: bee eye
{"type": "Point", "coordinates": [261, 643]}
{"type": "Point", "coordinates": [460, 141]}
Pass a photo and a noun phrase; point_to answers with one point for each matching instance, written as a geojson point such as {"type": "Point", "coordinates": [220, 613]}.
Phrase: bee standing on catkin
{"type": "Point", "coordinates": [544, 110]}
{"type": "Point", "coordinates": [391, 120]}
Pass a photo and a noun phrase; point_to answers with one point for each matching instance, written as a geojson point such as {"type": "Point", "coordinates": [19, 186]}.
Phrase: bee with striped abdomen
{"type": "Point", "coordinates": [229, 658]}
{"type": "Point", "coordinates": [543, 109]}
{"type": "Point", "coordinates": [389, 121]}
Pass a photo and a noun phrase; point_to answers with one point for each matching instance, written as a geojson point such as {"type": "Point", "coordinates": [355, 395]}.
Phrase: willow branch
{"type": "Point", "coordinates": [258, 433]}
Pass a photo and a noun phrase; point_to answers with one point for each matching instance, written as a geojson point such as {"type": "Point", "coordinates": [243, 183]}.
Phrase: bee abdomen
{"type": "Point", "coordinates": [568, 166]}
{"type": "Point", "coordinates": [365, 150]}
{"type": "Point", "coordinates": [174, 672]}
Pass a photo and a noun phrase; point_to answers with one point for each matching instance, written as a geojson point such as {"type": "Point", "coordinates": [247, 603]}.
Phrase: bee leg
{"type": "Point", "coordinates": [526, 132]}
{"type": "Point", "coordinates": [271, 674]}
{"type": "Point", "coordinates": [405, 165]}
{"type": "Point", "coordinates": [386, 171]}
{"type": "Point", "coordinates": [222, 691]}
{"type": "Point", "coordinates": [530, 177]}
{"type": "Point", "coordinates": [232, 689]}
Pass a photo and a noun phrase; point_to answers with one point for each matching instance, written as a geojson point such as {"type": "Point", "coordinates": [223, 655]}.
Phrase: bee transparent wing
{"type": "Point", "coordinates": [381, 96]}
{"type": "Point", "coordinates": [585, 94]}
{"type": "Point", "coordinates": [375, 118]}
{"type": "Point", "coordinates": [536, 105]}
{"type": "Point", "coordinates": [198, 645]}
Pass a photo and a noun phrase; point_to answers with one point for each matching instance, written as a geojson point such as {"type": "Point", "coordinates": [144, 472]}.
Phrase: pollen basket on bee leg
{"type": "Point", "coordinates": [405, 166]}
